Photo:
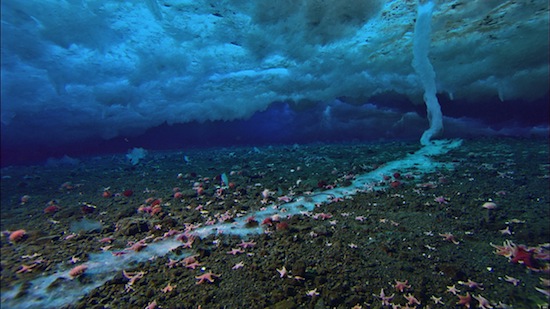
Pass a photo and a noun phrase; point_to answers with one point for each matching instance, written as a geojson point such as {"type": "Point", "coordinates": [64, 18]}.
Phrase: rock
{"type": "Point", "coordinates": [299, 269]}
{"type": "Point", "coordinates": [132, 226]}
{"type": "Point", "coordinates": [321, 230]}
{"type": "Point", "coordinates": [285, 304]}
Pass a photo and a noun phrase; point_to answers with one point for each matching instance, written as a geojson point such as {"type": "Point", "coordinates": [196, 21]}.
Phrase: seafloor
{"type": "Point", "coordinates": [341, 255]}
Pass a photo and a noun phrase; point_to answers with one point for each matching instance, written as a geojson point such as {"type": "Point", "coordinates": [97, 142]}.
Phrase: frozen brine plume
{"type": "Point", "coordinates": [424, 69]}
{"type": "Point", "coordinates": [136, 154]}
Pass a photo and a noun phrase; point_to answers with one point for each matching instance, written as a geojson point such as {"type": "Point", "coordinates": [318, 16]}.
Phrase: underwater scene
{"type": "Point", "coordinates": [281, 154]}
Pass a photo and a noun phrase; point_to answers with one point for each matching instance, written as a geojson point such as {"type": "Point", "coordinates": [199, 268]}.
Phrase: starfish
{"type": "Point", "coordinates": [543, 291]}
{"type": "Point", "coordinates": [170, 233]}
{"type": "Point", "coordinates": [188, 243]}
{"type": "Point", "coordinates": [506, 231]}
{"type": "Point", "coordinates": [452, 289]}
{"type": "Point", "coordinates": [312, 292]}
{"type": "Point", "coordinates": [31, 256]}
{"type": "Point", "coordinates": [472, 284]}
{"type": "Point", "coordinates": [401, 285]}
{"type": "Point", "coordinates": [152, 305]}
{"type": "Point", "coordinates": [193, 265]}
{"type": "Point", "coordinates": [106, 240]}
{"type": "Point", "coordinates": [25, 268]}
{"type": "Point", "coordinates": [168, 288]}
{"type": "Point", "coordinates": [238, 265]}
{"type": "Point", "coordinates": [524, 255]}
{"type": "Point", "coordinates": [190, 259]}
{"type": "Point", "coordinates": [322, 216]}
{"type": "Point", "coordinates": [449, 237]}
{"type": "Point", "coordinates": [464, 300]}
{"type": "Point", "coordinates": [206, 277]}
{"type": "Point", "coordinates": [506, 250]}
{"type": "Point", "coordinates": [512, 280]}
{"type": "Point", "coordinates": [235, 251]}
{"type": "Point", "coordinates": [483, 302]}
{"type": "Point", "coordinates": [138, 246]}
{"type": "Point", "coordinates": [132, 277]}
{"type": "Point", "coordinates": [437, 300]}
{"type": "Point", "coordinates": [282, 272]}
{"type": "Point", "coordinates": [171, 263]}
{"type": "Point", "coordinates": [412, 300]}
{"type": "Point", "coordinates": [385, 299]}
{"type": "Point", "coordinates": [246, 244]}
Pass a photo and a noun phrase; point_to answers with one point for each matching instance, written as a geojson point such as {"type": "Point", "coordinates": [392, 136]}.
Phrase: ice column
{"type": "Point", "coordinates": [425, 71]}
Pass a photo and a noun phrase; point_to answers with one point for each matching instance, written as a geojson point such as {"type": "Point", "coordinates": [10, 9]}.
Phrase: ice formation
{"type": "Point", "coordinates": [425, 70]}
{"type": "Point", "coordinates": [136, 154]}
{"type": "Point", "coordinates": [80, 69]}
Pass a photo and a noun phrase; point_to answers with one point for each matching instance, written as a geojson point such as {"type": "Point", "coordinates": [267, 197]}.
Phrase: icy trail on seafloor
{"type": "Point", "coordinates": [57, 289]}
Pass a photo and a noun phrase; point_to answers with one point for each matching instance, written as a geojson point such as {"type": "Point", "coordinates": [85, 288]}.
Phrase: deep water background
{"type": "Point", "coordinates": [388, 117]}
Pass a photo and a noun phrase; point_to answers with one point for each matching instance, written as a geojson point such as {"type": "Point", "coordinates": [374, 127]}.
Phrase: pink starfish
{"type": "Point", "coordinates": [132, 278]}
{"type": "Point", "coordinates": [507, 249]}
{"type": "Point", "coordinates": [412, 300]}
{"type": "Point", "coordinates": [284, 198]}
{"type": "Point", "coordinates": [171, 233]}
{"type": "Point", "coordinates": [483, 302]}
{"type": "Point", "coordinates": [235, 251]}
{"type": "Point", "coordinates": [168, 288]}
{"type": "Point", "coordinates": [506, 231]}
{"type": "Point", "coordinates": [152, 305]}
{"type": "Point", "coordinates": [385, 299]}
{"type": "Point", "coordinates": [206, 277]}
{"type": "Point", "coordinates": [190, 259]}
{"type": "Point", "coordinates": [138, 246]}
{"type": "Point", "coordinates": [322, 216]}
{"type": "Point", "coordinates": [282, 272]}
{"type": "Point", "coordinates": [189, 240]}
{"type": "Point", "coordinates": [246, 244]}
{"type": "Point", "coordinates": [193, 265]}
{"type": "Point", "coordinates": [512, 280]}
{"type": "Point", "coordinates": [437, 300]}
{"type": "Point", "coordinates": [312, 293]}
{"type": "Point", "coordinates": [25, 268]}
{"type": "Point", "coordinates": [473, 285]}
{"type": "Point", "coordinates": [449, 237]}
{"type": "Point", "coordinates": [171, 263]}
{"type": "Point", "coordinates": [401, 285]}
{"type": "Point", "coordinates": [464, 300]}
{"type": "Point", "coordinates": [106, 240]}
{"type": "Point", "coordinates": [452, 289]}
